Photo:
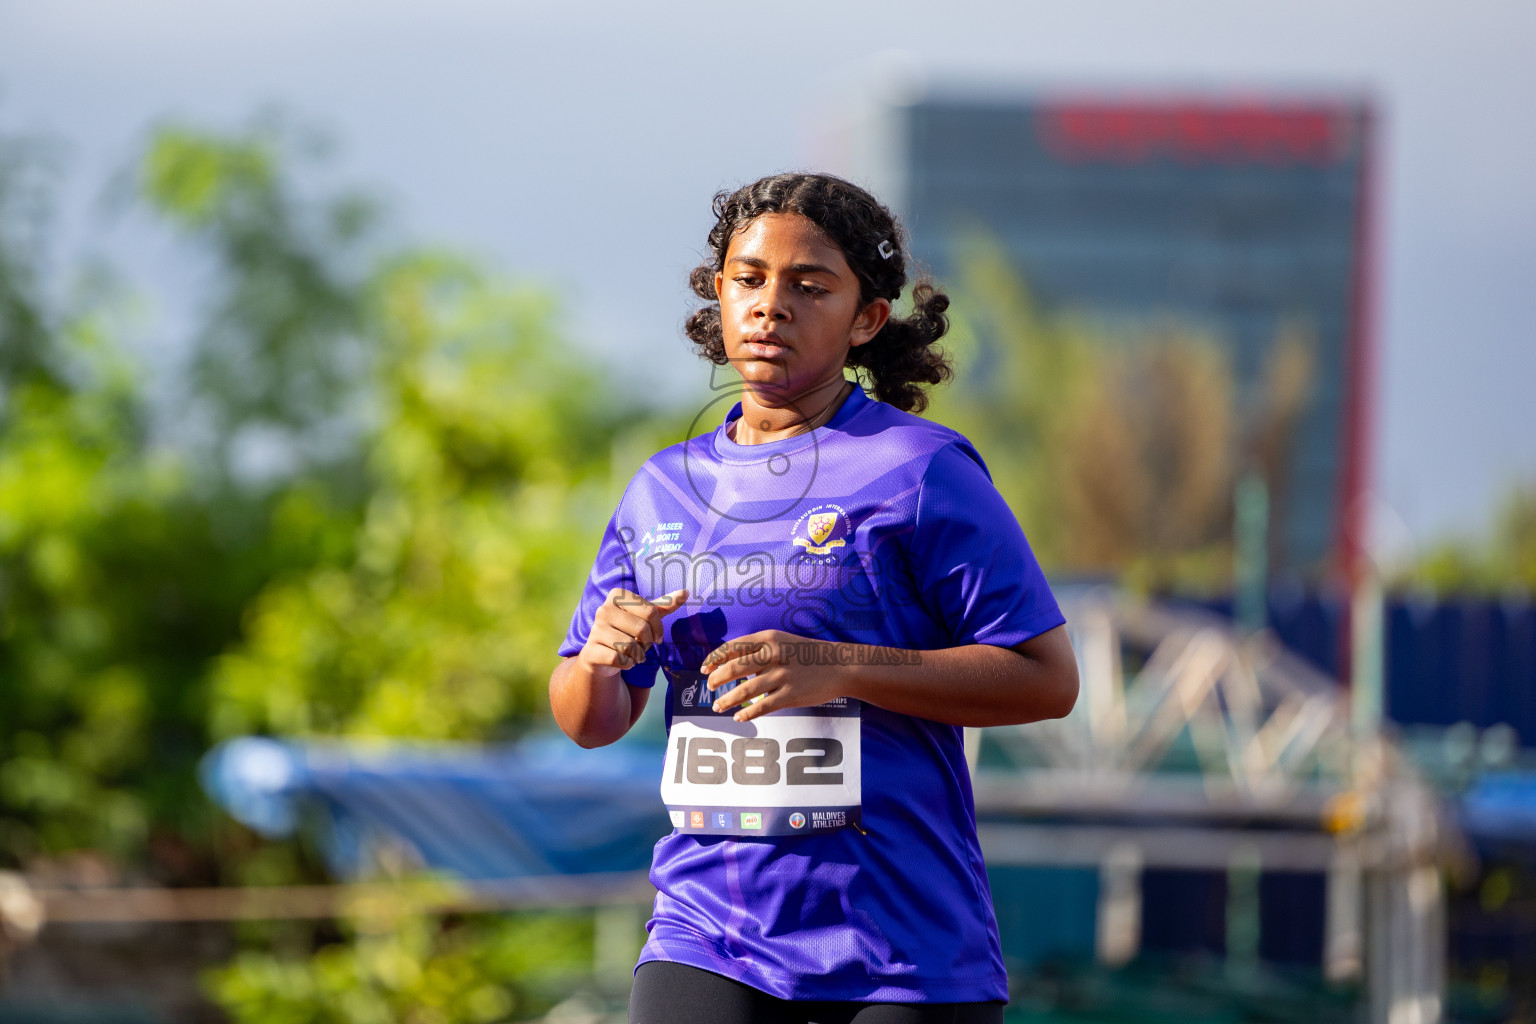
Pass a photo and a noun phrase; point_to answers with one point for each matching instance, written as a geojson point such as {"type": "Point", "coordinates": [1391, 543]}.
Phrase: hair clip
{"type": "Point", "coordinates": [886, 249]}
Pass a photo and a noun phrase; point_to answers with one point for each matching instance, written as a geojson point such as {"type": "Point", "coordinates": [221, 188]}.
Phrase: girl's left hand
{"type": "Point", "coordinates": [790, 672]}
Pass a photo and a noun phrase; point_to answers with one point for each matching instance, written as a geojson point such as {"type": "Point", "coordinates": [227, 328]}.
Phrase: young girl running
{"type": "Point", "coordinates": [833, 588]}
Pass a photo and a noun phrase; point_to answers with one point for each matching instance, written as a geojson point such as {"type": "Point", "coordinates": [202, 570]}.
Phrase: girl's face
{"type": "Point", "coordinates": [790, 307]}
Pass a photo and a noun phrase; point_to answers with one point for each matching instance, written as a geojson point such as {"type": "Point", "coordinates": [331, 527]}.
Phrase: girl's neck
{"type": "Point", "coordinates": [761, 424]}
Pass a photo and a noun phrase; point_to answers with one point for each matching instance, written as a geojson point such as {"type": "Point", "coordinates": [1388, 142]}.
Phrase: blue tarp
{"type": "Point", "coordinates": [539, 807]}
{"type": "Point", "coordinates": [1500, 810]}
{"type": "Point", "coordinates": [544, 806]}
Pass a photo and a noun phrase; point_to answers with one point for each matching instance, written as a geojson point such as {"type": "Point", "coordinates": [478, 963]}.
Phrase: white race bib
{"type": "Point", "coordinates": [790, 772]}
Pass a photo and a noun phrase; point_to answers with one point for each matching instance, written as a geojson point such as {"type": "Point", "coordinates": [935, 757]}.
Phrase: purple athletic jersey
{"type": "Point", "coordinates": [878, 528]}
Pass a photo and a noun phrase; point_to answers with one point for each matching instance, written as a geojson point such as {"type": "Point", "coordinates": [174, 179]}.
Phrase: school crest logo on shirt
{"type": "Point", "coordinates": [822, 530]}
{"type": "Point", "coordinates": [820, 524]}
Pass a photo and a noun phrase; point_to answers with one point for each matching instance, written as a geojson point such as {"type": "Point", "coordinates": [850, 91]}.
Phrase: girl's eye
{"type": "Point", "coordinates": [812, 289]}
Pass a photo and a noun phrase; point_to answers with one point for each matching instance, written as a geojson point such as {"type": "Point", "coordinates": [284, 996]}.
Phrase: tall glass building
{"type": "Point", "coordinates": [1237, 218]}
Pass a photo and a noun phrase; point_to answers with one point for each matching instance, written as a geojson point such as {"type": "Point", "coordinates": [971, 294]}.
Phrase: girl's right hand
{"type": "Point", "coordinates": [625, 628]}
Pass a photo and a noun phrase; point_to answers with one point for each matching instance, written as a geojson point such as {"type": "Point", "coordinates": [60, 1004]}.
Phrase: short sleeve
{"type": "Point", "coordinates": [971, 558]}
{"type": "Point", "coordinates": [614, 567]}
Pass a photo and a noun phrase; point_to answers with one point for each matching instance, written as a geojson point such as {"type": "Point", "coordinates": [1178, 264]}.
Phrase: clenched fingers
{"type": "Point", "coordinates": [629, 624]}
{"type": "Point", "coordinates": [612, 646]}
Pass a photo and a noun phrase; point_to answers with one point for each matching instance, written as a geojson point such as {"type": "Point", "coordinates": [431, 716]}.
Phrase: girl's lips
{"type": "Point", "coordinates": [766, 349]}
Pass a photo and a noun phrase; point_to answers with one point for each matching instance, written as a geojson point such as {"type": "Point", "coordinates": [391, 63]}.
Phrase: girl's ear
{"type": "Point", "coordinates": [719, 280]}
{"type": "Point", "coordinates": [869, 321]}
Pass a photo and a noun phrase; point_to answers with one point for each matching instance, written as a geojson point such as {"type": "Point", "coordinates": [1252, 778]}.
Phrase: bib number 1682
{"type": "Point", "coordinates": [755, 761]}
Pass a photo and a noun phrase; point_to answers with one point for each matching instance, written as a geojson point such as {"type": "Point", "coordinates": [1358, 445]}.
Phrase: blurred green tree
{"type": "Point", "coordinates": [475, 971]}
{"type": "Point", "coordinates": [100, 619]}
{"type": "Point", "coordinates": [444, 468]}
{"type": "Point", "coordinates": [25, 349]}
{"type": "Point", "coordinates": [490, 448]}
{"type": "Point", "coordinates": [1119, 453]}
{"type": "Point", "coordinates": [408, 574]}
{"type": "Point", "coordinates": [1501, 561]}
{"type": "Point", "coordinates": [281, 358]}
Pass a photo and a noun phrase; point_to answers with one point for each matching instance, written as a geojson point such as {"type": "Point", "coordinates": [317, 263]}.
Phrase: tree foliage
{"type": "Point", "coordinates": [466, 566]}
{"type": "Point", "coordinates": [282, 345]}
{"type": "Point", "coordinates": [413, 580]}
{"type": "Point", "coordinates": [1120, 454]}
{"type": "Point", "coordinates": [1502, 561]}
{"type": "Point", "coordinates": [473, 972]}
{"type": "Point", "coordinates": [442, 473]}
{"type": "Point", "coordinates": [105, 618]}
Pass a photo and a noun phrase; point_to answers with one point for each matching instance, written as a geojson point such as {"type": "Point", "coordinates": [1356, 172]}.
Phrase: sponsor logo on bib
{"type": "Point", "coordinates": [751, 819]}
{"type": "Point", "coordinates": [797, 820]}
{"type": "Point", "coordinates": [677, 818]}
{"type": "Point", "coordinates": [696, 819]}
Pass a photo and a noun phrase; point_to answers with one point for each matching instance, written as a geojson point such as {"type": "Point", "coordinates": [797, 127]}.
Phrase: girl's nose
{"type": "Point", "coordinates": [769, 306]}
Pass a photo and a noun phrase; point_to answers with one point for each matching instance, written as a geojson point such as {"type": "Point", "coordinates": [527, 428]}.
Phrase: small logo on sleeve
{"type": "Point", "coordinates": [664, 539]}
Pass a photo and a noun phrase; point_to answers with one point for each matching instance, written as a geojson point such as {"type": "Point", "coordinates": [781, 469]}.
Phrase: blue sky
{"type": "Point", "coordinates": [578, 144]}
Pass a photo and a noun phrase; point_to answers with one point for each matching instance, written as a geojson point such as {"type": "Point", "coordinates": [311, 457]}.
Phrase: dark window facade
{"type": "Point", "coordinates": [1235, 219]}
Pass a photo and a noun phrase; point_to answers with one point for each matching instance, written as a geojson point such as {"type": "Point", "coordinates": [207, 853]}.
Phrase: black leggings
{"type": "Point", "coordinates": [668, 993]}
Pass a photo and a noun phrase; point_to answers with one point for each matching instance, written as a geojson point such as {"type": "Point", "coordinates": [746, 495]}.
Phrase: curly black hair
{"type": "Point", "coordinates": [898, 359]}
